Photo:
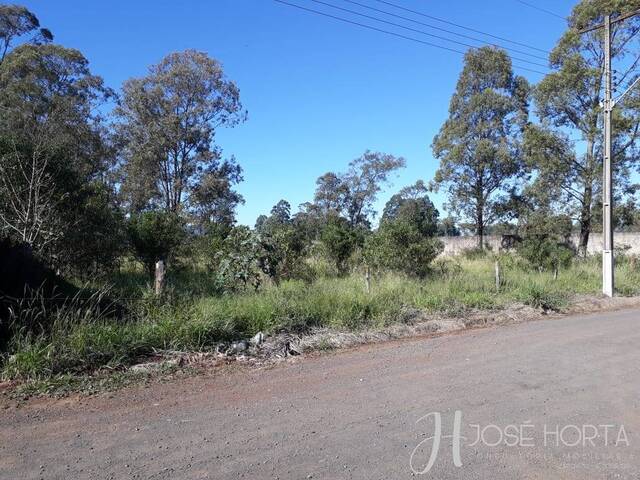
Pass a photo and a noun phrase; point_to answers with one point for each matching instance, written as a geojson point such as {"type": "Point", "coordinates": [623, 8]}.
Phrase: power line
{"type": "Point", "coordinates": [399, 35]}
{"type": "Point", "coordinates": [535, 7]}
{"type": "Point", "coordinates": [475, 39]}
{"type": "Point", "coordinates": [400, 7]}
{"type": "Point", "coordinates": [376, 19]}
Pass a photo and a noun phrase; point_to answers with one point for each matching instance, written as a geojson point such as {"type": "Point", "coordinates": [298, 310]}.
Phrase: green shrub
{"type": "Point", "coordinates": [340, 241]}
{"type": "Point", "coordinates": [155, 235]}
{"type": "Point", "coordinates": [539, 297]}
{"type": "Point", "coordinates": [446, 268]}
{"type": "Point", "coordinates": [545, 245]}
{"type": "Point", "coordinates": [401, 247]}
{"type": "Point", "coordinates": [545, 253]}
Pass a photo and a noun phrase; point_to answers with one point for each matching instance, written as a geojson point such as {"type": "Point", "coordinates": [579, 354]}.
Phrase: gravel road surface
{"type": "Point", "coordinates": [551, 399]}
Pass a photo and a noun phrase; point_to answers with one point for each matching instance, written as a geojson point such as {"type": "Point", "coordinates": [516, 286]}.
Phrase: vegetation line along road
{"type": "Point", "coordinates": [102, 191]}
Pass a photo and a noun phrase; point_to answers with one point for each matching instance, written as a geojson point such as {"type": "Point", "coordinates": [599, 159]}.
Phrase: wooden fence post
{"type": "Point", "coordinates": [160, 271]}
{"type": "Point", "coordinates": [497, 275]}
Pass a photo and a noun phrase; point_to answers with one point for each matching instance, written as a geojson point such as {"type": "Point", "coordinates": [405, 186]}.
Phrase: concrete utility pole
{"type": "Point", "coordinates": [607, 171]}
{"type": "Point", "coordinates": [608, 263]}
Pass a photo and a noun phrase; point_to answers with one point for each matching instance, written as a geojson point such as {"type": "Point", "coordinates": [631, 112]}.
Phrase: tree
{"type": "Point", "coordinates": [413, 206]}
{"type": "Point", "coordinates": [340, 241]}
{"type": "Point", "coordinates": [18, 22]}
{"type": "Point", "coordinates": [283, 242]}
{"type": "Point", "coordinates": [479, 146]}
{"type": "Point", "coordinates": [97, 239]}
{"type": "Point", "coordinates": [214, 199]}
{"type": "Point", "coordinates": [167, 125]}
{"type": "Point", "coordinates": [53, 152]}
{"type": "Point", "coordinates": [310, 220]}
{"type": "Point", "coordinates": [569, 100]}
{"type": "Point", "coordinates": [235, 261]}
{"type": "Point", "coordinates": [154, 236]}
{"type": "Point", "coordinates": [353, 193]}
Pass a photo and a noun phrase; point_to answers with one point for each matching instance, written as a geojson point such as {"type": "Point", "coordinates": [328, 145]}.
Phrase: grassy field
{"type": "Point", "coordinates": [80, 340]}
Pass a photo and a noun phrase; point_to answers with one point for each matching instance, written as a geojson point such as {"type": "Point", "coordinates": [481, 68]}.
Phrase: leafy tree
{"type": "Point", "coordinates": [98, 238]}
{"type": "Point", "coordinates": [17, 22]}
{"type": "Point", "coordinates": [214, 199]}
{"type": "Point", "coordinates": [626, 216]}
{"type": "Point", "coordinates": [235, 261]}
{"type": "Point", "coordinates": [353, 193]}
{"type": "Point", "coordinates": [154, 236]}
{"type": "Point", "coordinates": [568, 100]}
{"type": "Point", "coordinates": [280, 215]}
{"type": "Point", "coordinates": [167, 125]}
{"type": "Point", "coordinates": [309, 220]}
{"type": "Point", "coordinates": [413, 206]}
{"type": "Point", "coordinates": [479, 146]}
{"type": "Point", "coordinates": [54, 156]}
{"type": "Point", "coordinates": [284, 244]}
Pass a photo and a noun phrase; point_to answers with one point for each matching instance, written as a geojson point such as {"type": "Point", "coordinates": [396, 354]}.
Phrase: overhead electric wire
{"type": "Point", "coordinates": [535, 7]}
{"type": "Point", "coordinates": [400, 7]}
{"type": "Point", "coordinates": [399, 35]}
{"type": "Point", "coordinates": [376, 19]}
{"type": "Point", "coordinates": [475, 39]}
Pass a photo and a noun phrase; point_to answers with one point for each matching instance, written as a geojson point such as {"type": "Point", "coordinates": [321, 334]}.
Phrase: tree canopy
{"type": "Point", "coordinates": [167, 121]}
{"type": "Point", "coordinates": [54, 152]}
{"type": "Point", "coordinates": [352, 194]}
{"type": "Point", "coordinates": [479, 145]}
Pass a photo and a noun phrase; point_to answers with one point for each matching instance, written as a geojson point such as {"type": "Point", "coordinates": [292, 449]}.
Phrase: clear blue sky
{"type": "Point", "coordinates": [319, 92]}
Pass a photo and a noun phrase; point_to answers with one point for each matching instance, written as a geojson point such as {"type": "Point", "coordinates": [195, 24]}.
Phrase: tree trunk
{"type": "Point", "coordinates": [585, 222]}
{"type": "Point", "coordinates": [480, 227]}
{"type": "Point", "coordinates": [587, 199]}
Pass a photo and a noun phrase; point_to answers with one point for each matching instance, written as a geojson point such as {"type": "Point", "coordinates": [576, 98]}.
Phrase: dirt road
{"type": "Point", "coordinates": [545, 400]}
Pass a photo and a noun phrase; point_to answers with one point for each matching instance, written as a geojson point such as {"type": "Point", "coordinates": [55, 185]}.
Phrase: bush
{"type": "Point", "coordinates": [283, 251]}
{"type": "Point", "coordinates": [545, 242]}
{"type": "Point", "coordinates": [545, 253]}
{"type": "Point", "coordinates": [155, 235]}
{"type": "Point", "coordinates": [399, 246]}
{"type": "Point", "coordinates": [446, 268]}
{"type": "Point", "coordinates": [540, 297]}
{"type": "Point", "coordinates": [234, 260]}
{"type": "Point", "coordinates": [340, 241]}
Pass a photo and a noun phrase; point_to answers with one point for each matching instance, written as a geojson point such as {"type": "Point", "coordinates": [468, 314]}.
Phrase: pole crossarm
{"type": "Point", "coordinates": [612, 21]}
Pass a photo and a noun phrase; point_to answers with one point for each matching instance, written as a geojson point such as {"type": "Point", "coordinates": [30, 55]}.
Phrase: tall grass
{"type": "Point", "coordinates": [80, 341]}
